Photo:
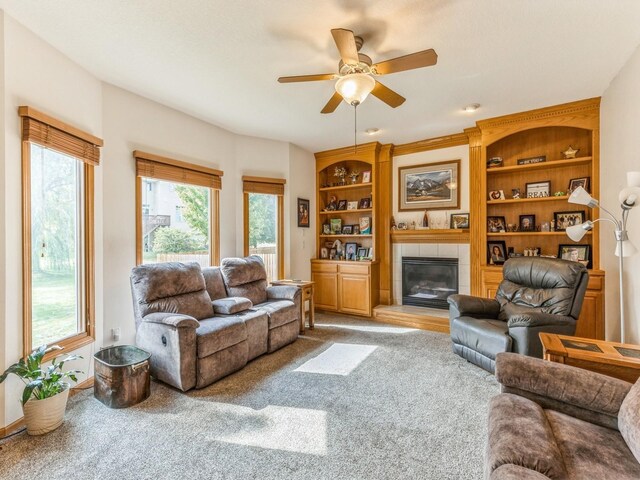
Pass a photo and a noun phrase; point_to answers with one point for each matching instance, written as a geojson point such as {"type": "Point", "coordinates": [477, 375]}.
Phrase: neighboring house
{"type": "Point", "coordinates": [161, 208]}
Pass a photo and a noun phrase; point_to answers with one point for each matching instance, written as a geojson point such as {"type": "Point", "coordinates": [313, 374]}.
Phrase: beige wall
{"type": "Point", "coordinates": [620, 153]}
{"type": "Point", "coordinates": [38, 75]}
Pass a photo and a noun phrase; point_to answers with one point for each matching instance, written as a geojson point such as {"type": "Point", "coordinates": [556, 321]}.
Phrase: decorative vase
{"type": "Point", "coordinates": [44, 416]}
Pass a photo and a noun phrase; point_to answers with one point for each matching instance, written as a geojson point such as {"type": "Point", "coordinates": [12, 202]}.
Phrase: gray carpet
{"type": "Point", "coordinates": [409, 409]}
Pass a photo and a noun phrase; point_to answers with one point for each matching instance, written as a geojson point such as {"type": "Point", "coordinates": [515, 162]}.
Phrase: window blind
{"type": "Point", "coordinates": [154, 166]}
{"type": "Point", "coordinates": [269, 186]}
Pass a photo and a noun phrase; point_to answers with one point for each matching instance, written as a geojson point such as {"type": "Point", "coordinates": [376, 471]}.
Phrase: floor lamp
{"type": "Point", "coordinates": [628, 197]}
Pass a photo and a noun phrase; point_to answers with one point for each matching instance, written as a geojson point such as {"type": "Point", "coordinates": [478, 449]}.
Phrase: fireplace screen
{"type": "Point", "coordinates": [428, 282]}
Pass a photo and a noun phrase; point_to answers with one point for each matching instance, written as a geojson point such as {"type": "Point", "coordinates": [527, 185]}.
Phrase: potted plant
{"type": "Point", "coordinates": [45, 394]}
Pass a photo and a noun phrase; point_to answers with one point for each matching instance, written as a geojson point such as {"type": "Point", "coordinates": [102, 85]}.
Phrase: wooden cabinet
{"type": "Point", "coordinates": [345, 287]}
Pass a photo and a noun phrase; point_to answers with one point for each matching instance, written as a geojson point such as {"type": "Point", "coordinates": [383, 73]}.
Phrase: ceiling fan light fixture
{"type": "Point", "coordinates": [355, 87]}
{"type": "Point", "coordinates": [371, 131]}
{"type": "Point", "coordinates": [471, 108]}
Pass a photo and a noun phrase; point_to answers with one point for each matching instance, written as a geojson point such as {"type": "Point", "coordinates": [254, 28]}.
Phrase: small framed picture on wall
{"type": "Point", "coordinates": [303, 212]}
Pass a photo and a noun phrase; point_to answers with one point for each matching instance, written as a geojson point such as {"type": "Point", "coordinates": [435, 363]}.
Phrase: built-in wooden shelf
{"type": "Point", "coordinates": [340, 235]}
{"type": "Point", "coordinates": [524, 234]}
{"type": "Point", "coordinates": [334, 212]}
{"type": "Point", "coordinates": [539, 166]}
{"type": "Point", "coordinates": [460, 235]}
{"type": "Point", "coordinates": [563, 198]}
{"type": "Point", "coordinates": [351, 186]}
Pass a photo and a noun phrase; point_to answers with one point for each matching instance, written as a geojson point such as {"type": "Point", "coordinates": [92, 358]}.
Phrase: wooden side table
{"type": "Point", "coordinates": [307, 294]}
{"type": "Point", "coordinates": [619, 360]}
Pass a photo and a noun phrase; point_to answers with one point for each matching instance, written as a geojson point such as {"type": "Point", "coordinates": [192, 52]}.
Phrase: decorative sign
{"type": "Point", "coordinates": [530, 160]}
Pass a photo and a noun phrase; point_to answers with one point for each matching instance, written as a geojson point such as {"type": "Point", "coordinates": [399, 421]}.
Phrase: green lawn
{"type": "Point", "coordinates": [53, 307]}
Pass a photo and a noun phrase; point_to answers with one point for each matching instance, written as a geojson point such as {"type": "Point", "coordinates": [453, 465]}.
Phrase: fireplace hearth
{"type": "Point", "coordinates": [428, 282]}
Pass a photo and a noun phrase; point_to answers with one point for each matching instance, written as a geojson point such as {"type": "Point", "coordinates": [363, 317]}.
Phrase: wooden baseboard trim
{"type": "Point", "coordinates": [19, 423]}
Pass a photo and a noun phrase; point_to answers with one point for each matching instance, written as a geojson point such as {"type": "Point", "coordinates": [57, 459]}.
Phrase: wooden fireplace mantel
{"type": "Point", "coordinates": [430, 236]}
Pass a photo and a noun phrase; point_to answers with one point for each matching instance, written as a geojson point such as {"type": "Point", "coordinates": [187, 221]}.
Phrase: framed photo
{"type": "Point", "coordinates": [370, 253]}
{"type": "Point", "coordinates": [356, 229]}
{"type": "Point", "coordinates": [579, 182]}
{"type": "Point", "coordinates": [366, 176]}
{"type": "Point", "coordinates": [433, 186]}
{"type": "Point", "coordinates": [365, 225]}
{"type": "Point", "coordinates": [459, 220]}
{"type": "Point", "coordinates": [576, 253]}
{"type": "Point", "coordinates": [538, 189]}
{"type": "Point", "coordinates": [303, 212]}
{"type": "Point", "coordinates": [352, 205]}
{"type": "Point", "coordinates": [342, 204]}
{"type": "Point", "coordinates": [496, 195]}
{"type": "Point", "coordinates": [494, 162]}
{"type": "Point", "coordinates": [347, 230]}
{"type": "Point", "coordinates": [565, 220]}
{"type": "Point", "coordinates": [496, 224]}
{"type": "Point", "coordinates": [515, 193]}
{"type": "Point", "coordinates": [326, 229]}
{"type": "Point", "coordinates": [332, 253]}
{"type": "Point", "coordinates": [362, 252]}
{"type": "Point", "coordinates": [527, 223]}
{"type": "Point", "coordinates": [530, 160]}
{"type": "Point", "coordinates": [364, 203]}
{"type": "Point", "coordinates": [350, 250]}
{"type": "Point", "coordinates": [496, 252]}
{"type": "Point", "coordinates": [336, 226]}
{"type": "Point", "coordinates": [333, 204]}
{"type": "Point", "coordinates": [324, 253]}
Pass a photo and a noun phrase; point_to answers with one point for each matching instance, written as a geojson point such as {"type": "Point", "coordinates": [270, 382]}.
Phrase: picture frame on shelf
{"type": "Point", "coordinates": [370, 253]}
{"type": "Point", "coordinates": [342, 205]}
{"type": "Point", "coordinates": [538, 189]}
{"type": "Point", "coordinates": [527, 223]}
{"type": "Point", "coordinates": [496, 224]}
{"type": "Point", "coordinates": [336, 226]}
{"type": "Point", "coordinates": [324, 253]}
{"type": "Point", "coordinates": [351, 250]}
{"type": "Point", "coordinates": [365, 225]}
{"type": "Point", "coordinates": [352, 205]}
{"type": "Point", "coordinates": [366, 176]}
{"type": "Point", "coordinates": [326, 229]}
{"type": "Point", "coordinates": [532, 160]}
{"type": "Point", "coordinates": [433, 186]}
{"type": "Point", "coordinates": [496, 252]}
{"type": "Point", "coordinates": [496, 195]}
{"type": "Point", "coordinates": [565, 220]}
{"type": "Point", "coordinates": [303, 213]}
{"type": "Point", "coordinates": [576, 253]}
{"type": "Point", "coordinates": [362, 252]}
{"type": "Point", "coordinates": [583, 182]}
{"type": "Point", "coordinates": [332, 254]}
{"type": "Point", "coordinates": [515, 193]}
{"type": "Point", "coordinates": [356, 229]}
{"type": "Point", "coordinates": [333, 204]}
{"type": "Point", "coordinates": [364, 203]}
{"type": "Point", "coordinates": [347, 230]}
{"type": "Point", "coordinates": [458, 221]}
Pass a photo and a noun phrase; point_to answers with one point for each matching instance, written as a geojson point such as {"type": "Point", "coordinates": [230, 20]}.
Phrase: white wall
{"type": "Point", "coordinates": [3, 230]}
{"type": "Point", "coordinates": [38, 75]}
{"type": "Point", "coordinates": [431, 156]}
{"type": "Point", "coordinates": [620, 153]}
{"type": "Point", "coordinates": [302, 185]}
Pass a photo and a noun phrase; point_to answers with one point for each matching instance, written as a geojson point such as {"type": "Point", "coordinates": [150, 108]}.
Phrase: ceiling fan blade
{"type": "Point", "coordinates": [307, 78]}
{"type": "Point", "coordinates": [346, 43]}
{"type": "Point", "coordinates": [425, 58]}
{"type": "Point", "coordinates": [332, 104]}
{"type": "Point", "coordinates": [387, 95]}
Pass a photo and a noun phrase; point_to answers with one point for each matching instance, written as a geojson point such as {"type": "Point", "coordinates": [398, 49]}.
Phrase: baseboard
{"type": "Point", "coordinates": [19, 423]}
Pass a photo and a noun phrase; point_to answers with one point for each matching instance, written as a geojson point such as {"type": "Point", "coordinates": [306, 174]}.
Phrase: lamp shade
{"type": "Point", "coordinates": [628, 249]}
{"type": "Point", "coordinates": [581, 197]}
{"type": "Point", "coordinates": [576, 232]}
{"type": "Point", "coordinates": [355, 87]}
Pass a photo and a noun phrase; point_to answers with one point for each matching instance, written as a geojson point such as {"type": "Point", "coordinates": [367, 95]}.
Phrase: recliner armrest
{"type": "Point", "coordinates": [176, 320]}
{"type": "Point", "coordinates": [538, 319]}
{"type": "Point", "coordinates": [474, 306]}
{"type": "Point", "coordinates": [283, 292]}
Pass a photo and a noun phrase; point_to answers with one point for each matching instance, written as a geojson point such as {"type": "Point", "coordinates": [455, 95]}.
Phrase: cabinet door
{"type": "Point", "coordinates": [354, 293]}
{"type": "Point", "coordinates": [325, 290]}
{"type": "Point", "coordinates": [590, 323]}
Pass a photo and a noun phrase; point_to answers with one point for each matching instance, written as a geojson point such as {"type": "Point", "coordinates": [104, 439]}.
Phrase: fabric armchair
{"type": "Point", "coordinates": [536, 295]}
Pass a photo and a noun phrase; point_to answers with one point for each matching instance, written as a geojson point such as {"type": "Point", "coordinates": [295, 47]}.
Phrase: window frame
{"type": "Point", "coordinates": [265, 186]}
{"type": "Point", "coordinates": [85, 335]}
{"type": "Point", "coordinates": [184, 169]}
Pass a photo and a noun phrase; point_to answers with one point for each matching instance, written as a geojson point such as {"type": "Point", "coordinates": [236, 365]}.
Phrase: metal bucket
{"type": "Point", "coordinates": [121, 376]}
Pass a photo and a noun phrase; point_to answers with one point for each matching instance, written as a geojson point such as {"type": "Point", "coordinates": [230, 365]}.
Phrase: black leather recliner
{"type": "Point", "coordinates": [536, 295]}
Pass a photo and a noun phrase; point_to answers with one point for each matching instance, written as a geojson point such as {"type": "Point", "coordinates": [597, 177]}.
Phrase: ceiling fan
{"type": "Point", "coordinates": [356, 72]}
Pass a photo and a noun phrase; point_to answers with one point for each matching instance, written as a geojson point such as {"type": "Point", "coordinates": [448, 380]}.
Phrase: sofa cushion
{"type": "Point", "coordinates": [215, 334]}
{"type": "Point", "coordinates": [231, 305]}
{"type": "Point", "coordinates": [629, 420]}
{"type": "Point", "coordinates": [485, 336]}
{"type": "Point", "coordinates": [280, 312]}
{"type": "Point", "coordinates": [520, 434]}
{"type": "Point", "coordinates": [172, 288]}
{"type": "Point", "coordinates": [516, 472]}
{"type": "Point", "coordinates": [245, 277]}
{"type": "Point", "coordinates": [592, 451]}
{"type": "Point", "coordinates": [214, 282]}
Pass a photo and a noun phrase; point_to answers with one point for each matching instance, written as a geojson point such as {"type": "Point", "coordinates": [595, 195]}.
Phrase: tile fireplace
{"type": "Point", "coordinates": [428, 281]}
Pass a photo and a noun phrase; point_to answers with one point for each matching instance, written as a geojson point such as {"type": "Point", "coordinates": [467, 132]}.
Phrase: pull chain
{"type": "Point", "coordinates": [355, 127]}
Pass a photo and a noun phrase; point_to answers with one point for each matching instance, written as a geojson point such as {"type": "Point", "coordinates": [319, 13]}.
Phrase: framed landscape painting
{"type": "Point", "coordinates": [433, 186]}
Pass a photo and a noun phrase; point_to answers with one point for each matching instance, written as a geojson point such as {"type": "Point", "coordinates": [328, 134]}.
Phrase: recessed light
{"type": "Point", "coordinates": [472, 108]}
{"type": "Point", "coordinates": [371, 131]}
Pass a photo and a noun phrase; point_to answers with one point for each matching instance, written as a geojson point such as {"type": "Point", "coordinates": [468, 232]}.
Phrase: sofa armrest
{"type": "Point", "coordinates": [283, 292]}
{"type": "Point", "coordinates": [176, 320]}
{"type": "Point", "coordinates": [473, 306]}
{"type": "Point", "coordinates": [561, 387]}
{"type": "Point", "coordinates": [538, 319]}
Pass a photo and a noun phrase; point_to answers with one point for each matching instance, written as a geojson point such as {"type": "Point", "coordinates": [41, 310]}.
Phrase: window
{"type": "Point", "coordinates": [177, 207]}
{"type": "Point", "coordinates": [263, 222]}
{"type": "Point", "coordinates": [58, 252]}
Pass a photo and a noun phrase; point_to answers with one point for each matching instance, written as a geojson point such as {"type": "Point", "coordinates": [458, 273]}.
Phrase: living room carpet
{"type": "Point", "coordinates": [352, 399]}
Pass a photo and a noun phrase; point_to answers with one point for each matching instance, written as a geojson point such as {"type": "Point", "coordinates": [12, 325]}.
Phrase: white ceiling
{"type": "Point", "coordinates": [219, 59]}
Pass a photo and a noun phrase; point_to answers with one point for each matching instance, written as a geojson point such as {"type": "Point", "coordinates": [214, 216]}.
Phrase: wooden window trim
{"type": "Point", "coordinates": [86, 336]}
{"type": "Point", "coordinates": [266, 186]}
{"type": "Point", "coordinates": [178, 171]}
